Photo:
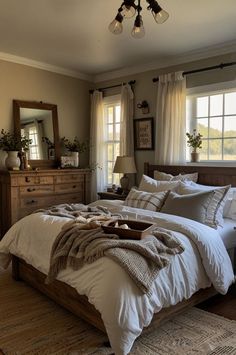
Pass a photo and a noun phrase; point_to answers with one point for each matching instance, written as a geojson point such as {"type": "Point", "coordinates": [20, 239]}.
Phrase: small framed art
{"type": "Point", "coordinates": [143, 134]}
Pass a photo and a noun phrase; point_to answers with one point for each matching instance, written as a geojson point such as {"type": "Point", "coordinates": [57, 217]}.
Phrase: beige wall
{"type": "Point", "coordinates": [69, 94]}
{"type": "Point", "coordinates": [145, 89]}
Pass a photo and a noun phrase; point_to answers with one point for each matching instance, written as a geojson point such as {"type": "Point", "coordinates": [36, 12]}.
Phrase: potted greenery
{"type": "Point", "coordinates": [13, 144]}
{"type": "Point", "coordinates": [195, 142]}
{"type": "Point", "coordinates": [75, 147]}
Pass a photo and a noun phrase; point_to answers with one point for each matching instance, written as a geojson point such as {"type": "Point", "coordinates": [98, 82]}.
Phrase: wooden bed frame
{"type": "Point", "coordinates": [68, 297]}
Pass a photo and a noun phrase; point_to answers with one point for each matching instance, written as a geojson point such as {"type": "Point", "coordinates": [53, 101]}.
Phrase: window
{"type": "Point", "coordinates": [214, 116]}
{"type": "Point", "coordinates": [112, 140]}
{"type": "Point", "coordinates": [31, 132]}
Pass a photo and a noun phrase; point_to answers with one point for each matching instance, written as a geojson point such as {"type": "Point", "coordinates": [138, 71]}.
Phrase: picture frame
{"type": "Point", "coordinates": [143, 134]}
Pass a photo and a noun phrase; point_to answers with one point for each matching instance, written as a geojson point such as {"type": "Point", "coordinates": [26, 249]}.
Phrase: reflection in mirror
{"type": "Point", "coordinates": [39, 122]}
{"type": "Point", "coordinates": [36, 124]}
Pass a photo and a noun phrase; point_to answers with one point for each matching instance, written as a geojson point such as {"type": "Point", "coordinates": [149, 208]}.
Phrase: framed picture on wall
{"type": "Point", "coordinates": [143, 134]}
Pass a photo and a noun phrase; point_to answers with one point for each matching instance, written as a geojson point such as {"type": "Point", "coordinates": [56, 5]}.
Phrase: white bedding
{"type": "Point", "coordinates": [228, 233]}
{"type": "Point", "coordinates": [125, 311]}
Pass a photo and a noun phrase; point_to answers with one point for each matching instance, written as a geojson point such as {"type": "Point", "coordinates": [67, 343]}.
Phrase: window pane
{"type": "Point", "coordinates": [110, 114]}
{"type": "Point", "coordinates": [110, 152]}
{"type": "Point", "coordinates": [230, 126]}
{"type": "Point", "coordinates": [116, 150]}
{"type": "Point", "coordinates": [230, 103]}
{"type": "Point", "coordinates": [110, 132]}
{"type": "Point", "coordinates": [215, 130]}
{"type": "Point", "coordinates": [202, 126]}
{"type": "Point", "coordinates": [109, 172]}
{"type": "Point", "coordinates": [202, 106]}
{"type": "Point", "coordinates": [216, 105]}
{"type": "Point", "coordinates": [204, 150]}
{"type": "Point", "coordinates": [215, 149]}
{"type": "Point", "coordinates": [229, 149]}
{"type": "Point", "coordinates": [117, 131]}
{"type": "Point", "coordinates": [117, 113]}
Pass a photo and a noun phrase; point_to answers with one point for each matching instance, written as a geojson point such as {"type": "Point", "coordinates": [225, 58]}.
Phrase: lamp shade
{"type": "Point", "coordinates": [125, 165]}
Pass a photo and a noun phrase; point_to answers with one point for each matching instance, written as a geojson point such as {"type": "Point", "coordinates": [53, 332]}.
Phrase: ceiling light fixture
{"type": "Point", "coordinates": [129, 8]}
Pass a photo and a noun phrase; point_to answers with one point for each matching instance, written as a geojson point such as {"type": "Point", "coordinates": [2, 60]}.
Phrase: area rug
{"type": "Point", "coordinates": [32, 324]}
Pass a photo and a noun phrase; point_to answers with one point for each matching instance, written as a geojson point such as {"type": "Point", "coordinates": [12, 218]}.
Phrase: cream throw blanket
{"type": "Point", "coordinates": [83, 241]}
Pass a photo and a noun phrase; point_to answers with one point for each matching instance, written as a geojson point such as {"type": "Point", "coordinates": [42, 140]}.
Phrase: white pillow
{"type": "Point", "coordinates": [151, 185]}
{"type": "Point", "coordinates": [215, 210]}
{"type": "Point", "coordinates": [148, 201]}
{"type": "Point", "coordinates": [160, 176]}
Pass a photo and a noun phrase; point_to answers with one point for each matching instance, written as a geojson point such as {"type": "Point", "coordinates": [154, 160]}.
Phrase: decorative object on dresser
{"type": "Point", "coordinates": [195, 142]}
{"type": "Point", "coordinates": [143, 134]}
{"type": "Point", "coordinates": [24, 192]}
{"type": "Point", "coordinates": [126, 165]}
{"type": "Point", "coordinates": [75, 147]}
{"type": "Point", "coordinates": [111, 196]}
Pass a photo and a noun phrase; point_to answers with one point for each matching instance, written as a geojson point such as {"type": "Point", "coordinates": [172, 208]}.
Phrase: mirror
{"type": "Point", "coordinates": [39, 122]}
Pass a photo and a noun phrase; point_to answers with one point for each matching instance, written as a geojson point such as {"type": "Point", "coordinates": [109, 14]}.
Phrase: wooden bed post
{"type": "Point", "coordinates": [15, 268]}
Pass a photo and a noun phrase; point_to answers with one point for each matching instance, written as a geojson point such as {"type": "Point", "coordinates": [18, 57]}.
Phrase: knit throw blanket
{"type": "Point", "coordinates": [82, 241]}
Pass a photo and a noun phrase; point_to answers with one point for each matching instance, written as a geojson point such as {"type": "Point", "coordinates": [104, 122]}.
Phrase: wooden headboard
{"type": "Point", "coordinates": [207, 175]}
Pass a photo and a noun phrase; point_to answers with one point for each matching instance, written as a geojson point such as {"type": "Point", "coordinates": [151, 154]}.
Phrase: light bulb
{"type": "Point", "coordinates": [115, 26]}
{"type": "Point", "coordinates": [161, 16]}
{"type": "Point", "coordinates": [128, 11]}
{"type": "Point", "coordinates": [138, 29]}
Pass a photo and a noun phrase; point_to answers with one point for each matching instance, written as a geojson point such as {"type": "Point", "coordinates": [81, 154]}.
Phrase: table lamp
{"type": "Point", "coordinates": [126, 165]}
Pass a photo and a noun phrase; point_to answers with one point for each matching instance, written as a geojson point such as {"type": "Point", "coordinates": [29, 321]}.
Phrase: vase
{"type": "Point", "coordinates": [75, 156]}
{"type": "Point", "coordinates": [12, 160]}
{"type": "Point", "coordinates": [195, 156]}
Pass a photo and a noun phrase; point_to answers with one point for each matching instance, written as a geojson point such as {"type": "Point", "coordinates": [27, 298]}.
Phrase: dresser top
{"type": "Point", "coordinates": [45, 171]}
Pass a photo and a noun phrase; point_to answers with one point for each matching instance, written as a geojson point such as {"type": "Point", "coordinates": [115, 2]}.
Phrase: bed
{"type": "Point", "coordinates": [83, 304]}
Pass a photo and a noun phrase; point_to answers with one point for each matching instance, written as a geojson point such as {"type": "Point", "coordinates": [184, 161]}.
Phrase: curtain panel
{"type": "Point", "coordinates": [170, 119]}
{"type": "Point", "coordinates": [127, 113]}
{"type": "Point", "coordinates": [97, 139]}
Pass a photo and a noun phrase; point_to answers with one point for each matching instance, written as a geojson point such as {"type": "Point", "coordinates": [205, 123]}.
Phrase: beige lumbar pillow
{"type": "Point", "coordinates": [145, 200]}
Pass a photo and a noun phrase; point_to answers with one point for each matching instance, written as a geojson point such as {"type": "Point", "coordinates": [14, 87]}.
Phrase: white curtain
{"type": "Point", "coordinates": [97, 151]}
{"type": "Point", "coordinates": [127, 112]}
{"type": "Point", "coordinates": [170, 119]}
{"type": "Point", "coordinates": [39, 134]}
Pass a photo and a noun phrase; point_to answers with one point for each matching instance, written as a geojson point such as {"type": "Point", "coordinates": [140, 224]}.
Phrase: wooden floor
{"type": "Point", "coordinates": [224, 306]}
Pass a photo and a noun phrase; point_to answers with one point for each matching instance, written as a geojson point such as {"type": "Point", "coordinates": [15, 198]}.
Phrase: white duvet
{"type": "Point", "coordinates": [125, 311]}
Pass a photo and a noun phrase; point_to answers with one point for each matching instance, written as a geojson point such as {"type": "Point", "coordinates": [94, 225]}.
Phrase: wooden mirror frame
{"type": "Point", "coordinates": [17, 105]}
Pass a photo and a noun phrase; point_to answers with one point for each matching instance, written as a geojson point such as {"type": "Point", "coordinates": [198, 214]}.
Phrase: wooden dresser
{"type": "Point", "coordinates": [22, 192]}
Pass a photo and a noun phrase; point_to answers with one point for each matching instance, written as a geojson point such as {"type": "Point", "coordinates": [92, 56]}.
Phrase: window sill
{"type": "Point", "coordinates": [213, 163]}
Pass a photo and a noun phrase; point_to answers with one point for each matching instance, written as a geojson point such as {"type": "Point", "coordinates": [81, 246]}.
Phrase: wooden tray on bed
{"type": "Point", "coordinates": [136, 230]}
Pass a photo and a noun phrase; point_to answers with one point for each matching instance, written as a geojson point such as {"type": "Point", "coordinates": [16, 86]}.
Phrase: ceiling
{"type": "Point", "coordinates": [73, 34]}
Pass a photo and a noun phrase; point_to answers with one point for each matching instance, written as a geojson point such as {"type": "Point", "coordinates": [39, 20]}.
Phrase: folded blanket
{"type": "Point", "coordinates": [81, 242]}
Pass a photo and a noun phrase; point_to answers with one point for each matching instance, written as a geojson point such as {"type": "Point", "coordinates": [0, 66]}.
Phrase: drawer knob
{"type": "Point", "coordinates": [27, 179]}
{"type": "Point", "coordinates": [31, 189]}
{"type": "Point", "coordinates": [31, 202]}
{"type": "Point", "coordinates": [74, 186]}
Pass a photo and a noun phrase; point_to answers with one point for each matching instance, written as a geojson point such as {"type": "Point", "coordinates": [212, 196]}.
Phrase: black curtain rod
{"type": "Point", "coordinates": [220, 66]}
{"type": "Point", "coordinates": [131, 82]}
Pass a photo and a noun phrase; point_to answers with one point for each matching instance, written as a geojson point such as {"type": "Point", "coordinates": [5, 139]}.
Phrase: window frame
{"type": "Point", "coordinates": [191, 114]}
{"type": "Point", "coordinates": [113, 100]}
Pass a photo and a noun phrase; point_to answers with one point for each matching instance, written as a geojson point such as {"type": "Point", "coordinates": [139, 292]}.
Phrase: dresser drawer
{"type": "Point", "coordinates": [36, 190]}
{"type": "Point", "coordinates": [27, 180]}
{"type": "Point", "coordinates": [34, 202]}
{"type": "Point", "coordinates": [70, 198]}
{"type": "Point", "coordinates": [69, 178]}
{"type": "Point", "coordinates": [72, 187]}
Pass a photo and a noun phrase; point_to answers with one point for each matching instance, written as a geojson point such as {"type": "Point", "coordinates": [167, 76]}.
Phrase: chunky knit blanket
{"type": "Point", "coordinates": [82, 241]}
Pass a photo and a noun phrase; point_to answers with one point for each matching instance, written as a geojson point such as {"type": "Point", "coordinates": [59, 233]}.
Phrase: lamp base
{"type": "Point", "coordinates": [124, 183]}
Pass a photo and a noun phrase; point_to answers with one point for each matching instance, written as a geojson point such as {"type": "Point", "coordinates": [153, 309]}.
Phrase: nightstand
{"type": "Point", "coordinates": [111, 196]}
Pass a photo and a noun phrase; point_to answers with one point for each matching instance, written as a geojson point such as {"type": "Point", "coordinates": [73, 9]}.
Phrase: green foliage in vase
{"type": "Point", "coordinates": [12, 142]}
{"type": "Point", "coordinates": [75, 145]}
{"type": "Point", "coordinates": [194, 140]}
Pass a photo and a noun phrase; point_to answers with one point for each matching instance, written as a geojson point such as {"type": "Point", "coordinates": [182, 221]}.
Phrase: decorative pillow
{"type": "Point", "coordinates": [148, 201]}
{"type": "Point", "coordinates": [160, 176]}
{"type": "Point", "coordinates": [151, 185]}
{"type": "Point", "coordinates": [192, 206]}
{"type": "Point", "coordinates": [215, 210]}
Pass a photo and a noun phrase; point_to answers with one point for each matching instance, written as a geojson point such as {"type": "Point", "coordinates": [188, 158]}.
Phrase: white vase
{"type": "Point", "coordinates": [12, 160]}
{"type": "Point", "coordinates": [75, 156]}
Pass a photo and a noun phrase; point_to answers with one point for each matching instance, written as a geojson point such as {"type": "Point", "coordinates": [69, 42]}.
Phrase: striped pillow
{"type": "Point", "coordinates": [145, 200]}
